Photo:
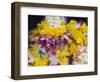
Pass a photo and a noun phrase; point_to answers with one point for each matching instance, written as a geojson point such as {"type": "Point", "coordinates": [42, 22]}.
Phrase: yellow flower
{"type": "Point", "coordinates": [33, 50]}
{"type": "Point", "coordinates": [78, 36]}
{"type": "Point", "coordinates": [84, 28]}
{"type": "Point", "coordinates": [35, 31]}
{"type": "Point", "coordinates": [71, 26]}
{"type": "Point", "coordinates": [65, 53]}
{"type": "Point", "coordinates": [70, 41]}
{"type": "Point", "coordinates": [62, 53]}
{"type": "Point", "coordinates": [44, 61]}
{"type": "Point", "coordinates": [40, 61]}
{"type": "Point", "coordinates": [47, 29]}
{"type": "Point", "coordinates": [78, 46]}
{"type": "Point", "coordinates": [37, 61]}
{"type": "Point", "coordinates": [37, 38]}
{"type": "Point", "coordinates": [58, 52]}
{"type": "Point", "coordinates": [72, 48]}
{"type": "Point", "coordinates": [63, 60]}
{"type": "Point", "coordinates": [85, 40]}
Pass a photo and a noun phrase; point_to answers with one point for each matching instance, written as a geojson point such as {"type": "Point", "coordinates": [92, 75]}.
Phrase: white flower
{"type": "Point", "coordinates": [66, 37]}
{"type": "Point", "coordinates": [55, 21]}
{"type": "Point", "coordinates": [53, 60]}
{"type": "Point", "coordinates": [31, 58]}
{"type": "Point", "coordinates": [77, 24]}
{"type": "Point", "coordinates": [83, 48]}
{"type": "Point", "coordinates": [83, 58]}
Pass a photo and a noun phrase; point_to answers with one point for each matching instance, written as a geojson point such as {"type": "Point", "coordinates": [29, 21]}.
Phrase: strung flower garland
{"type": "Point", "coordinates": [58, 44]}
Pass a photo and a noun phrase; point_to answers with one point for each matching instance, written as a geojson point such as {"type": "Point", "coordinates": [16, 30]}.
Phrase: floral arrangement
{"type": "Point", "coordinates": [55, 42]}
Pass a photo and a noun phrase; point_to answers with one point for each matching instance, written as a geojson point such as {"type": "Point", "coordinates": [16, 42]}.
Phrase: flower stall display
{"type": "Point", "coordinates": [56, 41]}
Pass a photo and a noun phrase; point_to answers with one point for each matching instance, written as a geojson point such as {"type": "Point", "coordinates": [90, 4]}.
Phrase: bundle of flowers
{"type": "Point", "coordinates": [58, 43]}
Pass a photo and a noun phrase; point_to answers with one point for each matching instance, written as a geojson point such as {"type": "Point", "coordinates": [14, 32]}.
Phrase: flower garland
{"type": "Point", "coordinates": [58, 46]}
